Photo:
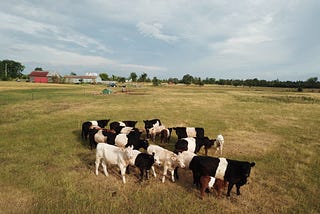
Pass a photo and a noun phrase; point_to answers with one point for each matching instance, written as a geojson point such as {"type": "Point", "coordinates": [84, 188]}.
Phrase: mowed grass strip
{"type": "Point", "coordinates": [47, 168]}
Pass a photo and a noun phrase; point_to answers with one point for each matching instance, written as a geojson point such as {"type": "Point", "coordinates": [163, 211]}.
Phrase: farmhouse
{"type": "Point", "coordinates": [87, 78]}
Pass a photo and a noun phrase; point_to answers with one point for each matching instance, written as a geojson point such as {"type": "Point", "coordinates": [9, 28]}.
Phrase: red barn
{"type": "Point", "coordinates": [39, 76]}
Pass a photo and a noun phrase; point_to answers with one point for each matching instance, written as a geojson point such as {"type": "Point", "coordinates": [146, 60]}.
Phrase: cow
{"type": "Point", "coordinates": [233, 171]}
{"type": "Point", "coordinates": [218, 144]}
{"type": "Point", "coordinates": [156, 130]}
{"type": "Point", "coordinates": [209, 182]}
{"type": "Point", "coordinates": [129, 123]}
{"type": "Point", "coordinates": [151, 123]}
{"type": "Point", "coordinates": [193, 144]}
{"type": "Point", "coordinates": [187, 157]}
{"type": "Point", "coordinates": [86, 126]}
{"type": "Point", "coordinates": [98, 135]}
{"type": "Point", "coordinates": [144, 162]}
{"type": "Point", "coordinates": [113, 155]}
{"type": "Point", "coordinates": [165, 135]}
{"type": "Point", "coordinates": [125, 140]}
{"type": "Point", "coordinates": [125, 129]}
{"type": "Point", "coordinates": [168, 159]}
{"type": "Point", "coordinates": [183, 132]}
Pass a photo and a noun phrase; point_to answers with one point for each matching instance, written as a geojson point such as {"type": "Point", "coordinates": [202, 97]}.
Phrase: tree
{"type": "Point", "coordinates": [73, 74]}
{"type": "Point", "coordinates": [143, 77]}
{"type": "Point", "coordinates": [10, 69]}
{"type": "Point", "coordinates": [38, 69]}
{"type": "Point", "coordinates": [187, 79]}
{"type": "Point", "coordinates": [121, 79]}
{"type": "Point", "coordinates": [155, 81]}
{"type": "Point", "coordinates": [173, 80]}
{"type": "Point", "coordinates": [104, 76]}
{"type": "Point", "coordinates": [133, 77]}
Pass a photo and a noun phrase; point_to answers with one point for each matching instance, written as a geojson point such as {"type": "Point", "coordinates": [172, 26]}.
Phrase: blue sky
{"type": "Point", "coordinates": [264, 39]}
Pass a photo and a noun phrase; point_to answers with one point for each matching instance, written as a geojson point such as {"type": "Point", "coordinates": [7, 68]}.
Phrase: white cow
{"type": "Point", "coordinates": [187, 157]}
{"type": "Point", "coordinates": [168, 159]}
{"type": "Point", "coordinates": [219, 143]}
{"type": "Point", "coordinates": [155, 130]}
{"type": "Point", "coordinates": [109, 154]}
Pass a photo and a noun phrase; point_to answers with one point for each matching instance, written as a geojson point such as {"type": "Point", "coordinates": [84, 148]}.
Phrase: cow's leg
{"type": "Point", "coordinates": [194, 177]}
{"type": "Point", "coordinates": [221, 149]}
{"type": "Point", "coordinates": [203, 189]}
{"type": "Point", "coordinates": [141, 174]}
{"type": "Point", "coordinates": [123, 173]}
{"type": "Point", "coordinates": [128, 170]}
{"type": "Point", "coordinates": [147, 174]}
{"type": "Point", "coordinates": [238, 189]}
{"type": "Point", "coordinates": [153, 171]}
{"type": "Point", "coordinates": [104, 166]}
{"type": "Point", "coordinates": [97, 165]}
{"type": "Point", "coordinates": [176, 173]}
{"type": "Point", "coordinates": [165, 169]}
{"type": "Point", "coordinates": [172, 175]}
{"type": "Point", "coordinates": [229, 188]}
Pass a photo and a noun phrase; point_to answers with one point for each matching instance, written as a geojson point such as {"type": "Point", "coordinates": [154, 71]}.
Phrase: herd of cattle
{"type": "Point", "coordinates": [121, 143]}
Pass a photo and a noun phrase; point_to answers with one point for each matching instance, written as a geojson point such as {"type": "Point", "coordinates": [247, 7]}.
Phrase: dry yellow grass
{"type": "Point", "coordinates": [47, 168]}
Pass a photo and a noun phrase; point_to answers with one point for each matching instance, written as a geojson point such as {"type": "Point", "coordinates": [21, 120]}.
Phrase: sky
{"type": "Point", "coordinates": [231, 39]}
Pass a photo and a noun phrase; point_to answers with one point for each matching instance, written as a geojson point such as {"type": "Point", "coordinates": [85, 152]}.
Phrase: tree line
{"type": "Point", "coordinates": [10, 69]}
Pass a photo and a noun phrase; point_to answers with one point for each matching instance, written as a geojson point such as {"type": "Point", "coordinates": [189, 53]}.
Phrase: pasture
{"type": "Point", "coordinates": [47, 168]}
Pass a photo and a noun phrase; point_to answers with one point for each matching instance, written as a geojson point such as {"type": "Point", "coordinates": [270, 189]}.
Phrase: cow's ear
{"type": "Point", "coordinates": [153, 154]}
{"type": "Point", "coordinates": [173, 158]}
{"type": "Point", "coordinates": [252, 164]}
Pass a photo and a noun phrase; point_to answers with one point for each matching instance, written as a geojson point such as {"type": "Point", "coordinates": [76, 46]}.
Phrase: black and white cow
{"type": "Point", "coordinates": [86, 126]}
{"type": "Point", "coordinates": [233, 171]}
{"type": "Point", "coordinates": [98, 135]}
{"type": "Point", "coordinates": [151, 123]}
{"type": "Point", "coordinates": [128, 123]}
{"type": "Point", "coordinates": [183, 132]}
{"type": "Point", "coordinates": [125, 140]}
{"type": "Point", "coordinates": [193, 144]}
{"type": "Point", "coordinates": [144, 162]}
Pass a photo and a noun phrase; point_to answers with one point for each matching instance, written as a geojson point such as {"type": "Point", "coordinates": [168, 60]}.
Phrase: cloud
{"type": "Point", "coordinates": [171, 38]}
{"type": "Point", "coordinates": [154, 31]}
{"type": "Point", "coordinates": [45, 31]}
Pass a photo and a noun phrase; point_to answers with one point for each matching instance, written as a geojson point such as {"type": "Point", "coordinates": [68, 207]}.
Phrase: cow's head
{"type": "Point", "coordinates": [129, 152]}
{"type": "Point", "coordinates": [208, 143]}
{"type": "Point", "coordinates": [246, 169]}
{"type": "Point", "coordinates": [178, 160]}
{"type": "Point", "coordinates": [156, 159]}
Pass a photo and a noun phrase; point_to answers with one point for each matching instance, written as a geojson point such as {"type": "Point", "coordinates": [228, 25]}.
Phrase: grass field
{"type": "Point", "coordinates": [47, 168]}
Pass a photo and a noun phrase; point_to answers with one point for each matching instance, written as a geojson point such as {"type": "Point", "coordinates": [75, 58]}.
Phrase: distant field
{"type": "Point", "coordinates": [47, 168]}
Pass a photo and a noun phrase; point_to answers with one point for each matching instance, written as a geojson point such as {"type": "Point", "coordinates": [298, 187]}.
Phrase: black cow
{"type": "Point", "coordinates": [144, 162]}
{"type": "Point", "coordinates": [151, 123]}
{"type": "Point", "coordinates": [86, 126]}
{"type": "Point", "coordinates": [128, 123]}
{"type": "Point", "coordinates": [183, 132]}
{"type": "Point", "coordinates": [232, 171]}
{"type": "Point", "coordinates": [193, 144]}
